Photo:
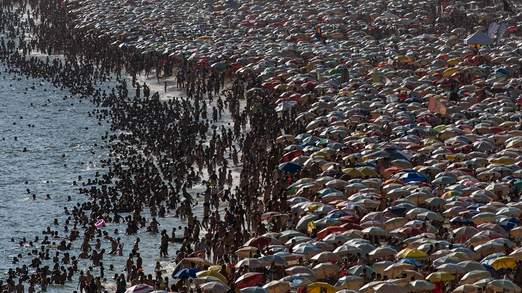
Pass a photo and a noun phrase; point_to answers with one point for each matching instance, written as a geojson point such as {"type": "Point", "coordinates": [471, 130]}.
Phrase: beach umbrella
{"type": "Point", "coordinates": [186, 273]}
{"type": "Point", "coordinates": [375, 231]}
{"type": "Point", "coordinates": [483, 218]}
{"type": "Point", "coordinates": [412, 275]}
{"type": "Point", "coordinates": [467, 288]}
{"type": "Point", "coordinates": [474, 276]}
{"type": "Point", "coordinates": [471, 265]}
{"type": "Point", "coordinates": [277, 249]}
{"type": "Point", "coordinates": [329, 230]}
{"type": "Point", "coordinates": [140, 288]}
{"type": "Point", "coordinates": [380, 266]}
{"type": "Point", "coordinates": [420, 286]}
{"type": "Point", "coordinates": [336, 238]}
{"type": "Point", "coordinates": [388, 288]}
{"type": "Point", "coordinates": [411, 177]}
{"type": "Point", "coordinates": [251, 263]}
{"type": "Point", "coordinates": [483, 282]}
{"type": "Point", "coordinates": [307, 249]}
{"type": "Point", "coordinates": [320, 287]}
{"type": "Point", "coordinates": [302, 224]}
{"type": "Point", "coordinates": [246, 251]}
{"type": "Point", "coordinates": [517, 253]}
{"type": "Point", "coordinates": [369, 287]}
{"type": "Point", "coordinates": [396, 269]}
{"type": "Point", "coordinates": [412, 253]}
{"type": "Point", "coordinates": [214, 287]}
{"type": "Point", "coordinates": [504, 262]}
{"type": "Point", "coordinates": [202, 280]}
{"type": "Point", "coordinates": [298, 239]}
{"type": "Point", "coordinates": [289, 167]}
{"type": "Point", "coordinates": [395, 223]}
{"type": "Point", "coordinates": [451, 268]}
{"type": "Point", "coordinates": [509, 224]}
{"type": "Point", "coordinates": [285, 106]}
{"type": "Point", "coordinates": [209, 273]}
{"type": "Point", "coordinates": [503, 285]}
{"type": "Point", "coordinates": [382, 252]}
{"type": "Point", "coordinates": [361, 270]}
{"type": "Point", "coordinates": [288, 234]}
{"type": "Point", "coordinates": [249, 280]}
{"type": "Point", "coordinates": [273, 259]}
{"type": "Point", "coordinates": [326, 270]}
{"type": "Point", "coordinates": [432, 216]}
{"type": "Point", "coordinates": [440, 277]}
{"type": "Point", "coordinates": [299, 270]}
{"type": "Point", "coordinates": [262, 241]}
{"type": "Point", "coordinates": [253, 290]}
{"type": "Point", "coordinates": [489, 248]}
{"type": "Point", "coordinates": [299, 280]}
{"type": "Point", "coordinates": [462, 234]}
{"type": "Point", "coordinates": [285, 139]}
{"type": "Point", "coordinates": [277, 287]}
{"type": "Point", "coordinates": [326, 256]}
{"type": "Point", "coordinates": [478, 38]}
{"type": "Point", "coordinates": [349, 282]}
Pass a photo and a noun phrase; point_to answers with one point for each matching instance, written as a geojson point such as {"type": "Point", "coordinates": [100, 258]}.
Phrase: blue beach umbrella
{"type": "Point", "coordinates": [411, 261]}
{"type": "Point", "coordinates": [186, 273]}
{"type": "Point", "coordinates": [413, 177]}
{"type": "Point", "coordinates": [289, 167]}
{"type": "Point", "coordinates": [509, 224]}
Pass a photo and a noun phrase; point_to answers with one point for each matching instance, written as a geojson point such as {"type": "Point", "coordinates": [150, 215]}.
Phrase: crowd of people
{"type": "Point", "coordinates": [375, 150]}
{"type": "Point", "coordinates": [159, 150]}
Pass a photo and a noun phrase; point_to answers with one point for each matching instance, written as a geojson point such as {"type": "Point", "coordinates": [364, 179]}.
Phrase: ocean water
{"type": "Point", "coordinates": [61, 142]}
{"type": "Point", "coordinates": [46, 142]}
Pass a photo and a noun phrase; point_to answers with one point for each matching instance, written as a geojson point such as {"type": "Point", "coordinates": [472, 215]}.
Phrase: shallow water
{"type": "Point", "coordinates": [60, 147]}
{"type": "Point", "coordinates": [61, 127]}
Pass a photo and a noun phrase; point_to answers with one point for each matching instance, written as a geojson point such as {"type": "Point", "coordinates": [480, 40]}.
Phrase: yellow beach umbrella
{"type": "Point", "coordinates": [320, 287]}
{"type": "Point", "coordinates": [211, 273]}
{"type": "Point", "coordinates": [440, 277]}
{"type": "Point", "coordinates": [412, 253]}
{"type": "Point", "coordinates": [202, 280]}
{"type": "Point", "coordinates": [450, 71]}
{"type": "Point", "coordinates": [504, 262]}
